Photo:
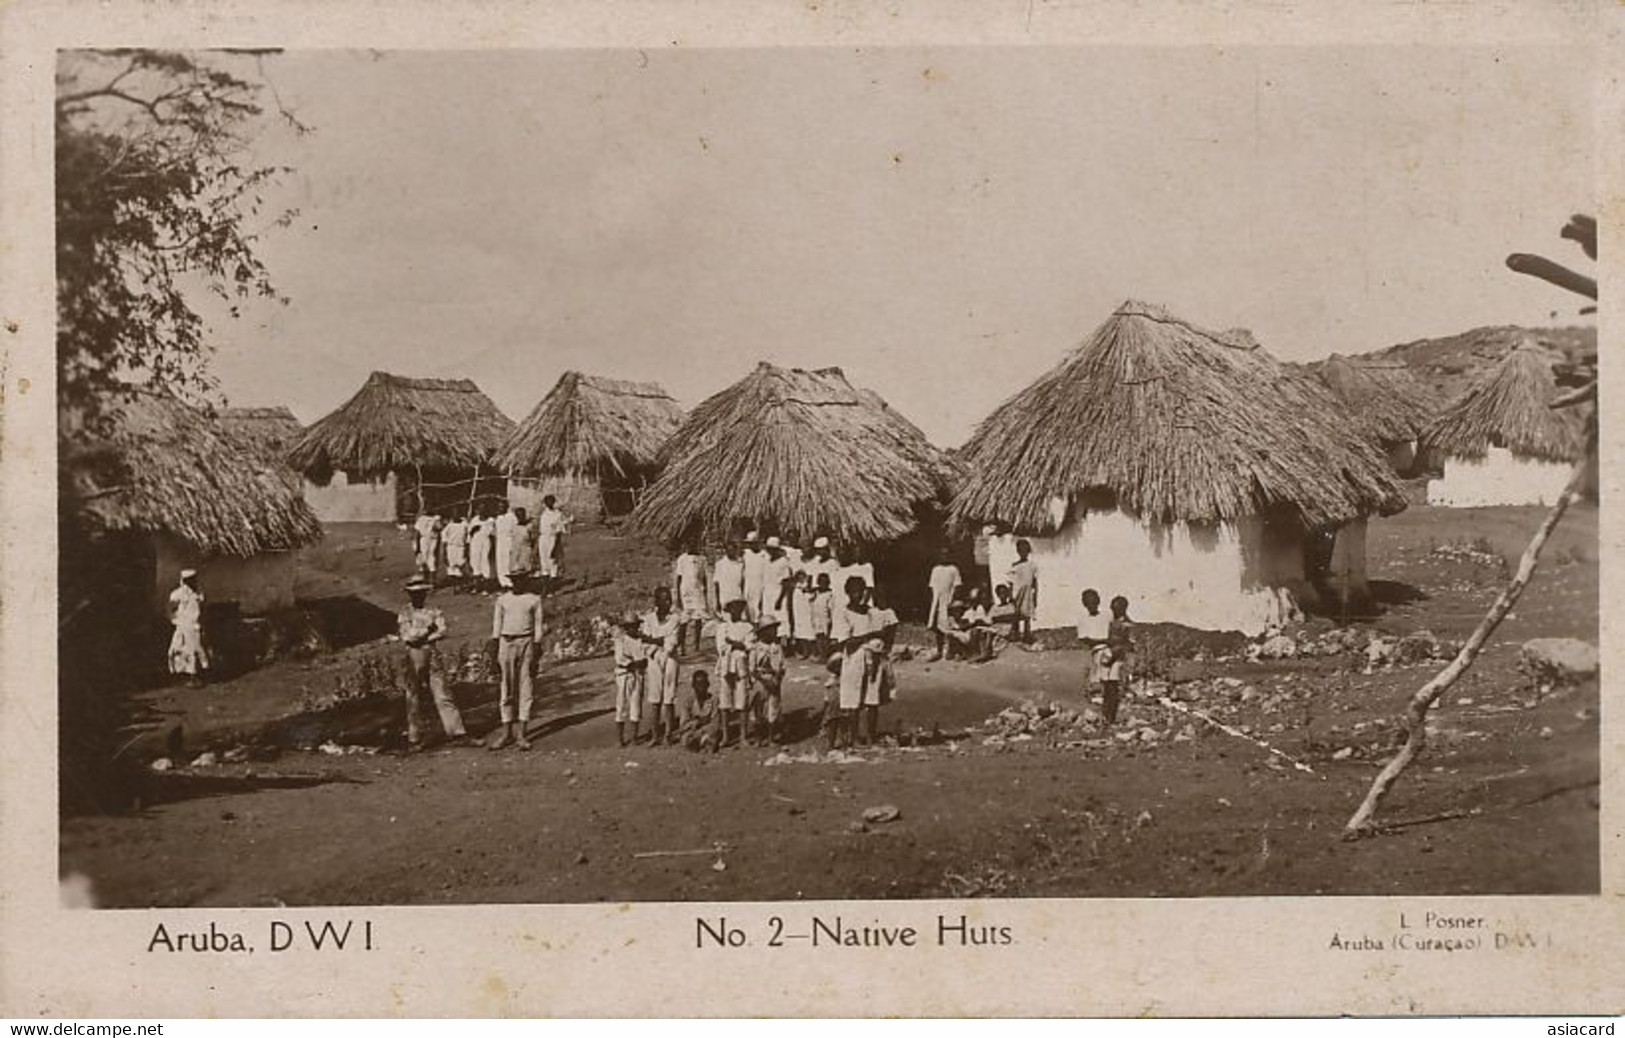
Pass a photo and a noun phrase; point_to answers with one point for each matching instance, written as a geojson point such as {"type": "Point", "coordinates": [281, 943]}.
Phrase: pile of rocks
{"type": "Point", "coordinates": [1418, 647]}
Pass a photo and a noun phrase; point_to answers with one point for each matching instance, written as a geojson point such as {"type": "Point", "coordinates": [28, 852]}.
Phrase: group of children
{"type": "Point", "coordinates": [749, 663]}
{"type": "Point", "coordinates": [769, 601]}
{"type": "Point", "coordinates": [796, 585]}
{"type": "Point", "coordinates": [969, 626]}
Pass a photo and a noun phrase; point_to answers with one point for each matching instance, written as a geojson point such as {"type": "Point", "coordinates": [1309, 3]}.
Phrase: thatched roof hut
{"type": "Point", "coordinates": [1391, 403]}
{"type": "Point", "coordinates": [802, 452]}
{"type": "Point", "coordinates": [268, 430]}
{"type": "Point", "coordinates": [589, 426]}
{"type": "Point", "coordinates": [1180, 425]}
{"type": "Point", "coordinates": [1510, 406]}
{"type": "Point", "coordinates": [397, 424]}
{"type": "Point", "coordinates": [163, 467]}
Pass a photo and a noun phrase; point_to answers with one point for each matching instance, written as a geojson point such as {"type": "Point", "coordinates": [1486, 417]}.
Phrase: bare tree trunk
{"type": "Point", "coordinates": [1422, 701]}
{"type": "Point", "coordinates": [474, 490]}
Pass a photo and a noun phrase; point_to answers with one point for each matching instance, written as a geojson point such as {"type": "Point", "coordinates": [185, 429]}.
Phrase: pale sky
{"type": "Point", "coordinates": [944, 224]}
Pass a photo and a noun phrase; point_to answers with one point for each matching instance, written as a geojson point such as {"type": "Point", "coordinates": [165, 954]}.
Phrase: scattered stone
{"type": "Point", "coordinates": [581, 859]}
{"type": "Point", "coordinates": [719, 866]}
{"type": "Point", "coordinates": [205, 760]}
{"type": "Point", "coordinates": [1417, 647]}
{"type": "Point", "coordinates": [1378, 653]}
{"type": "Point", "coordinates": [1344, 754]}
{"type": "Point", "coordinates": [882, 813]}
{"type": "Point", "coordinates": [856, 827]}
{"type": "Point", "coordinates": [1279, 647]}
{"type": "Point", "coordinates": [1546, 733]}
{"type": "Point", "coordinates": [1142, 819]}
{"type": "Point", "coordinates": [161, 764]}
{"type": "Point", "coordinates": [1558, 661]}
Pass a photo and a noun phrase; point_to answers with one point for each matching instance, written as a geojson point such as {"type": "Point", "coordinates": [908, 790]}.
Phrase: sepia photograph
{"type": "Point", "coordinates": [829, 473]}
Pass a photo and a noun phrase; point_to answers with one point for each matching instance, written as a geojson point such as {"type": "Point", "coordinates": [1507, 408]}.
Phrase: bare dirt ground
{"type": "Point", "coordinates": [1504, 801]}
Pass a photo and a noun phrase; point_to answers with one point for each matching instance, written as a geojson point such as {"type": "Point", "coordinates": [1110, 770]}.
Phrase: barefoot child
{"type": "Point", "coordinates": [1119, 646]}
{"type": "Point", "coordinates": [1093, 629]}
{"type": "Point", "coordinates": [822, 612]}
{"type": "Point", "coordinates": [734, 638]}
{"type": "Point", "coordinates": [767, 680]}
{"type": "Point", "coordinates": [851, 632]}
{"type": "Point", "coordinates": [631, 665]}
{"type": "Point", "coordinates": [700, 716]}
{"type": "Point", "coordinates": [943, 584]}
{"type": "Point", "coordinates": [884, 620]}
{"type": "Point", "coordinates": [800, 636]}
{"type": "Point", "coordinates": [1024, 590]}
{"type": "Point", "coordinates": [662, 632]}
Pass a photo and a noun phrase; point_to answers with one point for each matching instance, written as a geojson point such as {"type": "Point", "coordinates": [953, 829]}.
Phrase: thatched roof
{"type": "Point", "coordinates": [1387, 398]}
{"type": "Point", "coordinates": [162, 466]}
{"type": "Point", "coordinates": [268, 430]}
{"type": "Point", "coordinates": [804, 452]}
{"type": "Point", "coordinates": [1508, 406]}
{"type": "Point", "coordinates": [395, 423]}
{"type": "Point", "coordinates": [592, 426]}
{"type": "Point", "coordinates": [1179, 424]}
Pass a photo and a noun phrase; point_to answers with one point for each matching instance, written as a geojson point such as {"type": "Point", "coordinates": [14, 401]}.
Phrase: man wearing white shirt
{"type": "Point", "coordinates": [755, 576]}
{"type": "Point", "coordinates": [728, 576]}
{"type": "Point", "coordinates": [551, 523]}
{"type": "Point", "coordinates": [504, 542]}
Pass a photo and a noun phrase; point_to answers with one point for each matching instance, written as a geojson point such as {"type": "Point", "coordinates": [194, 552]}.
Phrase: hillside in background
{"type": "Point", "coordinates": [1449, 364]}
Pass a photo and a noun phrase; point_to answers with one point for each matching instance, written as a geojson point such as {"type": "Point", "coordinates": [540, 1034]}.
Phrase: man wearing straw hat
{"type": "Point", "coordinates": [187, 654]}
{"type": "Point", "coordinates": [516, 624]}
{"type": "Point", "coordinates": [421, 629]}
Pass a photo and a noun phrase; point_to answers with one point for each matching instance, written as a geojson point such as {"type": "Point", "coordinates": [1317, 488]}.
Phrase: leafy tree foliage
{"type": "Point", "coordinates": [156, 200]}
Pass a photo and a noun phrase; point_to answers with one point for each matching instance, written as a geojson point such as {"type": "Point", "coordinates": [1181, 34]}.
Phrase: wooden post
{"type": "Point", "coordinates": [474, 490]}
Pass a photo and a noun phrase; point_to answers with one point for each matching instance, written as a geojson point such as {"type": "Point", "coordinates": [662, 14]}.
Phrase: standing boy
{"type": "Point", "coordinates": [728, 576]}
{"type": "Point", "coordinates": [1120, 646]}
{"type": "Point", "coordinates": [1093, 632]}
{"type": "Point", "coordinates": [777, 585]}
{"type": "Point", "coordinates": [1024, 590]}
{"type": "Point", "coordinates": [767, 677]}
{"type": "Point", "coordinates": [455, 538]}
{"type": "Point", "coordinates": [822, 613]}
{"type": "Point", "coordinates": [551, 524]}
{"type": "Point", "coordinates": [944, 583]}
{"type": "Point", "coordinates": [516, 624]}
{"type": "Point", "coordinates": [734, 638]}
{"type": "Point", "coordinates": [421, 629]}
{"type": "Point", "coordinates": [662, 629]}
{"type": "Point", "coordinates": [691, 590]}
{"type": "Point", "coordinates": [631, 666]}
